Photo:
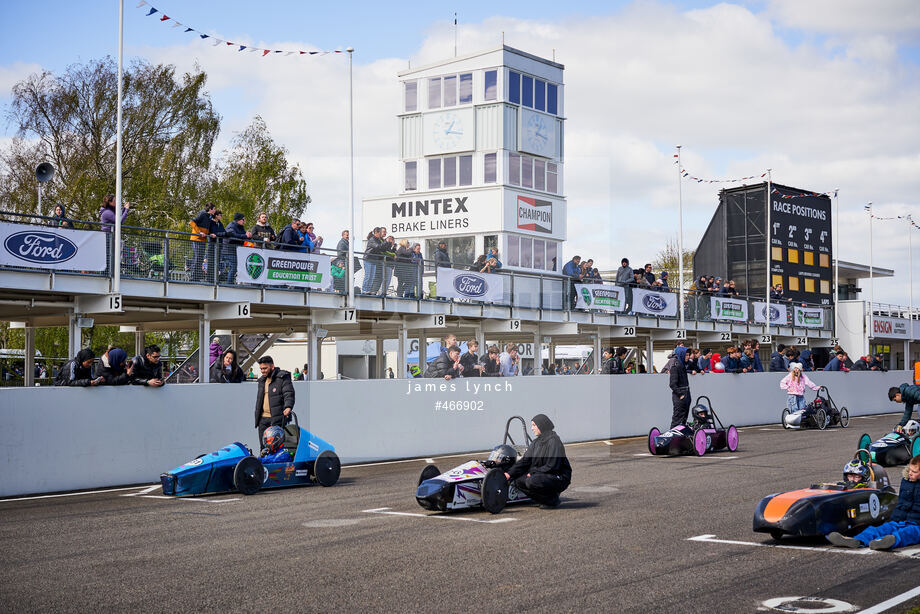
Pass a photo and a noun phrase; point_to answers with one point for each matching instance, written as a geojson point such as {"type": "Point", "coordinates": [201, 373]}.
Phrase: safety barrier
{"type": "Point", "coordinates": [56, 439]}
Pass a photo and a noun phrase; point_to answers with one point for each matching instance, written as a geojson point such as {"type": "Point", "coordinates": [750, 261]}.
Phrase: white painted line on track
{"type": "Point", "coordinates": [143, 492]}
{"type": "Point", "coordinates": [712, 540]}
{"type": "Point", "coordinates": [643, 454]}
{"type": "Point", "coordinates": [890, 603]}
{"type": "Point", "coordinates": [69, 494]}
{"type": "Point", "coordinates": [189, 499]}
{"type": "Point", "coordinates": [386, 510]}
{"type": "Point", "coordinates": [609, 443]}
{"type": "Point", "coordinates": [430, 461]}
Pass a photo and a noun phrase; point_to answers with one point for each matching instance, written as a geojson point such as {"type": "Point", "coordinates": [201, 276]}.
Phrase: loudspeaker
{"type": "Point", "coordinates": [44, 172]}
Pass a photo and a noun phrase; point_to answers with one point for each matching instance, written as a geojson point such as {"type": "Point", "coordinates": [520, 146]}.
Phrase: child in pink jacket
{"type": "Point", "coordinates": [794, 384]}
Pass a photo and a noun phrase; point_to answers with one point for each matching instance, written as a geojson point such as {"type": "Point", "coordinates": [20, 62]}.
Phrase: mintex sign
{"type": "Point", "coordinates": [434, 214]}
{"type": "Point", "coordinates": [534, 214]}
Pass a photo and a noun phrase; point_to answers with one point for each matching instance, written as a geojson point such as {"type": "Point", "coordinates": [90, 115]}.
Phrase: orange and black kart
{"type": "Point", "coordinates": [825, 508]}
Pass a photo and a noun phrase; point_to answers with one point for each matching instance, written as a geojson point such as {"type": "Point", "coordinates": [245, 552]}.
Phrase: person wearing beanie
{"type": "Point", "coordinates": [680, 386]}
{"type": "Point", "coordinates": [236, 237]}
{"type": "Point", "coordinates": [543, 471]}
{"type": "Point", "coordinates": [117, 370]}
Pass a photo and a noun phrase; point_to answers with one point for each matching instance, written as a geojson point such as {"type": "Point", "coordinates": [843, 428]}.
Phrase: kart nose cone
{"type": "Point", "coordinates": [434, 494]}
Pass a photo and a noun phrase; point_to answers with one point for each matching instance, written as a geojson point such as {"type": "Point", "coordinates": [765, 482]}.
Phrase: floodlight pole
{"type": "Point", "coordinates": [680, 241]}
{"type": "Point", "coordinates": [349, 266]}
{"type": "Point", "coordinates": [768, 203]}
{"type": "Point", "coordinates": [116, 243]}
{"type": "Point", "coordinates": [871, 330]}
{"type": "Point", "coordinates": [910, 268]}
{"type": "Point", "coordinates": [834, 247]}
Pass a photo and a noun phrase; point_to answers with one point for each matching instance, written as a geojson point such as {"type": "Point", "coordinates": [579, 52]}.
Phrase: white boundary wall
{"type": "Point", "coordinates": [55, 439]}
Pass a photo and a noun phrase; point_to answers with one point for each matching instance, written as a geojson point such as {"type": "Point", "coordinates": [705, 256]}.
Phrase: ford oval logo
{"type": "Point", "coordinates": [653, 302]}
{"type": "Point", "coordinates": [774, 313]}
{"type": "Point", "coordinates": [470, 285]}
{"type": "Point", "coordinates": [40, 247]}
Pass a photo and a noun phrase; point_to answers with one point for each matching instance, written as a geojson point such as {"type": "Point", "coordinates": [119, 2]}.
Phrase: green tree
{"type": "Point", "coordinates": [666, 260]}
{"type": "Point", "coordinates": [254, 175]}
{"type": "Point", "coordinates": [70, 120]}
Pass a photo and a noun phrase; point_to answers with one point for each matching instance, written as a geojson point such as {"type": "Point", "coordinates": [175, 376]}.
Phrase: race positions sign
{"type": "Point", "coordinates": [801, 250]}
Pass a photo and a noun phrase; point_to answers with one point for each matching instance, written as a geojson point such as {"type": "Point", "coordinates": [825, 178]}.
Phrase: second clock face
{"type": "Point", "coordinates": [538, 134]}
{"type": "Point", "coordinates": [449, 131]}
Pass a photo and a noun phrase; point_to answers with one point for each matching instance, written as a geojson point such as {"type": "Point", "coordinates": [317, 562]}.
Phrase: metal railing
{"type": "Point", "coordinates": [180, 257]}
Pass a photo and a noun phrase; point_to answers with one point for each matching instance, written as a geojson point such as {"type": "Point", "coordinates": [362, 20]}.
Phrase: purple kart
{"type": "Point", "coordinates": [704, 433]}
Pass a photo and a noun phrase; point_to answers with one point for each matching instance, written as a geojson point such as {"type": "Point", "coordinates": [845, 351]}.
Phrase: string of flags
{"type": "Point", "coordinates": [891, 217]}
{"type": "Point", "coordinates": [808, 195]}
{"type": "Point", "coordinates": [219, 41]}
{"type": "Point", "coordinates": [685, 173]}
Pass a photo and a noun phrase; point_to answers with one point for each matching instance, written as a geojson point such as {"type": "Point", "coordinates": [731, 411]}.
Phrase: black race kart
{"type": "Point", "coordinates": [895, 448]}
{"type": "Point", "coordinates": [703, 433]}
{"type": "Point", "coordinates": [819, 414]}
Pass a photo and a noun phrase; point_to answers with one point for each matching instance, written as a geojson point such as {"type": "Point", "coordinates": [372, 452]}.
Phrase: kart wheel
{"type": "Point", "coordinates": [652, 434]}
{"type": "Point", "coordinates": [731, 438]}
{"type": "Point", "coordinates": [783, 419]}
{"type": "Point", "coordinates": [915, 447]}
{"type": "Point", "coordinates": [428, 472]}
{"type": "Point", "coordinates": [699, 442]}
{"type": "Point", "coordinates": [494, 491]}
{"type": "Point", "coordinates": [248, 475]}
{"type": "Point", "coordinates": [821, 419]}
{"type": "Point", "coordinates": [776, 534]}
{"type": "Point", "coordinates": [326, 468]}
{"type": "Point", "coordinates": [864, 442]}
{"type": "Point", "coordinates": [844, 417]}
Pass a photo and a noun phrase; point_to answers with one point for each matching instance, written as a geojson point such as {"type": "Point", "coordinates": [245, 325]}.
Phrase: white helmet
{"type": "Point", "coordinates": [911, 428]}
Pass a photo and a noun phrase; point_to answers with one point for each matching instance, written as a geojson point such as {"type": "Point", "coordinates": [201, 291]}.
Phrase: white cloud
{"type": "Point", "coordinates": [11, 74]}
{"type": "Point", "coordinates": [722, 81]}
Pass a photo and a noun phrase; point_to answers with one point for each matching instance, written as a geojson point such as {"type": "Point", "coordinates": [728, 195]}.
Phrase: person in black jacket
{"type": "Point", "coordinates": [544, 471]}
{"type": "Point", "coordinates": [148, 370]}
{"type": "Point", "coordinates": [441, 257]}
{"type": "Point", "coordinates": [447, 365]}
{"type": "Point", "coordinates": [236, 235]}
{"type": "Point", "coordinates": [275, 397]}
{"type": "Point", "coordinates": [680, 386]}
{"type": "Point", "coordinates": [470, 360]}
{"type": "Point", "coordinates": [79, 371]}
{"type": "Point", "coordinates": [289, 238]}
{"type": "Point", "coordinates": [226, 370]}
{"type": "Point", "coordinates": [490, 363]}
{"type": "Point", "coordinates": [263, 231]}
{"type": "Point", "coordinates": [117, 370]}
{"type": "Point", "coordinates": [201, 224]}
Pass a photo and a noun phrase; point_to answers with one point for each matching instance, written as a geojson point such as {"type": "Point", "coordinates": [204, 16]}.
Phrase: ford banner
{"type": "Point", "coordinates": [272, 267]}
{"type": "Point", "coordinates": [654, 303]}
{"type": "Point", "coordinates": [597, 296]}
{"type": "Point", "coordinates": [728, 308]}
{"type": "Point", "coordinates": [778, 313]}
{"type": "Point", "coordinates": [808, 317]}
{"type": "Point", "coordinates": [453, 283]}
{"type": "Point", "coordinates": [41, 247]}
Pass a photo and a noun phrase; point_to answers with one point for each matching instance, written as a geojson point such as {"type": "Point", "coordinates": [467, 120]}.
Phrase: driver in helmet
{"type": "Point", "coordinates": [910, 429]}
{"type": "Point", "coordinates": [855, 474]}
{"type": "Point", "coordinates": [701, 416]}
{"type": "Point", "coordinates": [273, 450]}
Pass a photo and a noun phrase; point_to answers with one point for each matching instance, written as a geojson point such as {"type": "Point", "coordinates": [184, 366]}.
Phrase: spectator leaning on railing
{"type": "Point", "coordinates": [263, 231]}
{"type": "Point", "coordinates": [148, 370]}
{"type": "Point", "coordinates": [78, 371]}
{"type": "Point", "coordinates": [107, 212]}
{"type": "Point", "coordinates": [59, 219]}
{"type": "Point", "coordinates": [227, 370]}
{"type": "Point", "coordinates": [116, 370]}
{"type": "Point", "coordinates": [509, 360]}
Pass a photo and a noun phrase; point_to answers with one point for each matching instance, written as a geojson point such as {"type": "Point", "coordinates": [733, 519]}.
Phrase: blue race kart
{"type": "Point", "coordinates": [234, 467]}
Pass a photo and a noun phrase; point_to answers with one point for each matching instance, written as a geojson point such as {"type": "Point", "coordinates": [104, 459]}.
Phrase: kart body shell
{"type": "Point", "coordinates": [217, 472]}
{"type": "Point", "coordinates": [813, 417]}
{"type": "Point", "coordinates": [695, 437]}
{"type": "Point", "coordinates": [825, 508]}
{"type": "Point", "coordinates": [472, 484]}
{"type": "Point", "coordinates": [892, 449]}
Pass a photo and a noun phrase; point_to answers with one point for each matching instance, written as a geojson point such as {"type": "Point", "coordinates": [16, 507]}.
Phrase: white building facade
{"type": "Point", "coordinates": [481, 160]}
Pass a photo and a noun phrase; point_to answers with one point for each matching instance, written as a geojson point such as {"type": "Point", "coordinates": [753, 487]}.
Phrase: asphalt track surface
{"type": "Point", "coordinates": [620, 542]}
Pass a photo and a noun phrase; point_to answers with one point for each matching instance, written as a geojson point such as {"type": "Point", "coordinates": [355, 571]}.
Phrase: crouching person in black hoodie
{"type": "Point", "coordinates": [544, 471]}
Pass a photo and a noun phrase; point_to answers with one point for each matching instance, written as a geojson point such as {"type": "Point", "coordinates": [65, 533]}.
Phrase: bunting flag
{"type": "Point", "coordinates": [808, 195]}
{"type": "Point", "coordinates": [909, 219]}
{"type": "Point", "coordinates": [217, 41]}
{"type": "Point", "coordinates": [686, 173]}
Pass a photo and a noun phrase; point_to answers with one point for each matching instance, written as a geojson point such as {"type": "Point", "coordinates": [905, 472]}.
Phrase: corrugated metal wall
{"type": "Point", "coordinates": [410, 137]}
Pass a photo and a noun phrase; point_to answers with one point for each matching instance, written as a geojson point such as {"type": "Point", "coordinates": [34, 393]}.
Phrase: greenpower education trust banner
{"type": "Point", "coordinates": [282, 268]}
{"type": "Point", "coordinates": [597, 296]}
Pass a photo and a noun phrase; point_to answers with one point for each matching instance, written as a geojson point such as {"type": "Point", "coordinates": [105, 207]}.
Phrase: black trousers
{"type": "Point", "coordinates": [541, 487]}
{"type": "Point", "coordinates": [681, 408]}
{"type": "Point", "coordinates": [264, 423]}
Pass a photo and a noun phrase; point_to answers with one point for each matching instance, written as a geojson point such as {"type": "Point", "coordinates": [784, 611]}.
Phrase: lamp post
{"type": "Point", "coordinates": [768, 203]}
{"type": "Point", "coordinates": [116, 243]}
{"type": "Point", "coordinates": [680, 240]}
{"type": "Point", "coordinates": [870, 332]}
{"type": "Point", "coordinates": [349, 267]}
{"type": "Point", "coordinates": [834, 247]}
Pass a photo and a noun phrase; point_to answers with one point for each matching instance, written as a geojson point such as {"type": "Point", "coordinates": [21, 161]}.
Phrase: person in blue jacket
{"type": "Point", "coordinates": [273, 450]}
{"type": "Point", "coordinates": [837, 362]}
{"type": "Point", "coordinates": [805, 359]}
{"type": "Point", "coordinates": [908, 394]}
{"type": "Point", "coordinates": [904, 527]}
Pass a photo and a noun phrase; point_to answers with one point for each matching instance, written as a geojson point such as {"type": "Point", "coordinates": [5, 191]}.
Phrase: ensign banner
{"type": "Point", "coordinates": [273, 267]}
{"type": "Point", "coordinates": [597, 296]}
{"type": "Point", "coordinates": [454, 283]}
{"type": "Point", "coordinates": [52, 248]}
{"type": "Point", "coordinates": [654, 303]}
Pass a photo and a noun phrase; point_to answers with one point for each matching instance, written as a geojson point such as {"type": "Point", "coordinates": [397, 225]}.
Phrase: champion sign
{"type": "Point", "coordinates": [534, 214]}
{"type": "Point", "coordinates": [470, 286]}
{"type": "Point", "coordinates": [40, 247]}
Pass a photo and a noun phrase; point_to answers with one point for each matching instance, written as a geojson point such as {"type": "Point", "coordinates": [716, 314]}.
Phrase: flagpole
{"type": "Point", "coordinates": [116, 284]}
{"type": "Point", "coordinates": [680, 240]}
{"type": "Point", "coordinates": [834, 247]}
{"type": "Point", "coordinates": [871, 288]}
{"type": "Point", "coordinates": [769, 281]}
{"type": "Point", "coordinates": [351, 187]}
{"type": "Point", "coordinates": [910, 267]}
{"type": "Point", "coordinates": [455, 35]}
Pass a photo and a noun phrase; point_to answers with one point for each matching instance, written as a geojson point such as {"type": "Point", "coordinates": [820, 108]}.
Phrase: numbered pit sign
{"type": "Point", "coordinates": [725, 336]}
{"type": "Point", "coordinates": [801, 340]}
{"type": "Point", "coordinates": [242, 310]}
{"type": "Point", "coordinates": [514, 326]}
{"type": "Point", "coordinates": [439, 320]}
{"type": "Point", "coordinates": [834, 341]}
{"type": "Point", "coordinates": [349, 315]}
{"type": "Point", "coordinates": [680, 334]}
{"type": "Point", "coordinates": [766, 339]}
{"type": "Point", "coordinates": [115, 302]}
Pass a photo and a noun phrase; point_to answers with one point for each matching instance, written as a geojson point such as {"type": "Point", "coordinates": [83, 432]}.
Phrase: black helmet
{"type": "Point", "coordinates": [502, 456]}
{"type": "Point", "coordinates": [701, 413]}
{"type": "Point", "coordinates": [856, 467]}
{"type": "Point", "coordinates": [273, 439]}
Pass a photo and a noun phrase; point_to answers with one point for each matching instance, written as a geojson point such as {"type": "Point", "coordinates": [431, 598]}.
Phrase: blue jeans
{"type": "Point", "coordinates": [905, 533]}
{"type": "Point", "coordinates": [370, 272]}
{"type": "Point", "coordinates": [795, 402]}
{"type": "Point", "coordinates": [387, 276]}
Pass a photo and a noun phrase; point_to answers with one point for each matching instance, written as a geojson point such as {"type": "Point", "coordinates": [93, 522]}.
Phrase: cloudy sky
{"type": "Point", "coordinates": [824, 92]}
